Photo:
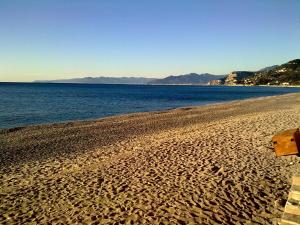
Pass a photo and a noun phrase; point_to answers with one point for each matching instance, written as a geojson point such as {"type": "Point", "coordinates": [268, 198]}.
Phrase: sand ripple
{"type": "Point", "coordinates": [211, 172]}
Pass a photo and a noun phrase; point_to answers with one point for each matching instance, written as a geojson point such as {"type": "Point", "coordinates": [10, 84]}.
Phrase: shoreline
{"type": "Point", "coordinates": [199, 165]}
{"type": "Point", "coordinates": [77, 125]}
{"type": "Point", "coordinates": [206, 85]}
{"type": "Point", "coordinates": [8, 129]}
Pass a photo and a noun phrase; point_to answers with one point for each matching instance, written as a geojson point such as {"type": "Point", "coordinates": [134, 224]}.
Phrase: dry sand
{"type": "Point", "coordinates": [200, 165]}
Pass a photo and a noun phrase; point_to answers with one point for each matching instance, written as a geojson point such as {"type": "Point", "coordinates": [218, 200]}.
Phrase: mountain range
{"type": "Point", "coordinates": [285, 74]}
{"type": "Point", "coordinates": [192, 78]}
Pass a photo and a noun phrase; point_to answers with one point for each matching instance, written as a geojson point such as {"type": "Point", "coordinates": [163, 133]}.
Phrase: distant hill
{"type": "Point", "coordinates": [266, 69]}
{"type": "Point", "coordinates": [102, 80]}
{"type": "Point", "coordinates": [285, 74]}
{"type": "Point", "coordinates": [192, 78]}
{"type": "Point", "coordinates": [288, 73]}
{"type": "Point", "coordinates": [236, 77]}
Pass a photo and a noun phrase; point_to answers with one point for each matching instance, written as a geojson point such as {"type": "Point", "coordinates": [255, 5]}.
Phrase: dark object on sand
{"type": "Point", "coordinates": [287, 142]}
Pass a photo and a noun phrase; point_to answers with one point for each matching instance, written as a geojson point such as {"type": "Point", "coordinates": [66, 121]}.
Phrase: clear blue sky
{"type": "Point", "coordinates": [50, 39]}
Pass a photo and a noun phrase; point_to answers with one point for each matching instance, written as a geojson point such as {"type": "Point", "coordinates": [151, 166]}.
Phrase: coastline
{"type": "Point", "coordinates": [71, 120]}
{"type": "Point", "coordinates": [203, 164]}
{"type": "Point", "coordinates": [73, 128]}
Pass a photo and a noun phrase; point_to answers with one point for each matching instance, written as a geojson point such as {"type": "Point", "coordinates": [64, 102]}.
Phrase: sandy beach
{"type": "Point", "coordinates": [195, 165]}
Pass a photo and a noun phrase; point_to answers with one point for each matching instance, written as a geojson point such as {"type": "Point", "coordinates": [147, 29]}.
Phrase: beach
{"type": "Point", "coordinates": [211, 164]}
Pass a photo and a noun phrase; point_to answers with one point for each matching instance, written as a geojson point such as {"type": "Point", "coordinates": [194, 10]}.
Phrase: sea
{"type": "Point", "coordinates": [24, 104]}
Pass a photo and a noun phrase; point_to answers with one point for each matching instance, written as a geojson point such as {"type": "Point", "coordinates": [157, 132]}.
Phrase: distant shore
{"type": "Point", "coordinates": [191, 84]}
{"type": "Point", "coordinates": [198, 165]}
{"type": "Point", "coordinates": [25, 104]}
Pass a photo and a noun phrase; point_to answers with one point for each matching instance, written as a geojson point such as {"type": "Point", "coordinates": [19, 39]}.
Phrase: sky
{"type": "Point", "coordinates": [56, 39]}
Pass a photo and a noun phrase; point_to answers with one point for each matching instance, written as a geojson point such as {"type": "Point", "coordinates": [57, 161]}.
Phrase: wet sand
{"type": "Point", "coordinates": [195, 165]}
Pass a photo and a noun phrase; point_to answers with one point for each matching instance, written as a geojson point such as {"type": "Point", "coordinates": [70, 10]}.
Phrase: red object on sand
{"type": "Point", "coordinates": [287, 142]}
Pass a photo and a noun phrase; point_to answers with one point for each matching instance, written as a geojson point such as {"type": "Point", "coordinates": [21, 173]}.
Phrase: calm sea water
{"type": "Point", "coordinates": [31, 103]}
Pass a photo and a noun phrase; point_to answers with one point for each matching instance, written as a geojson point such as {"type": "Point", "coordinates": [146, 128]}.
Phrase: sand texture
{"type": "Point", "coordinates": [195, 165]}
